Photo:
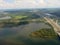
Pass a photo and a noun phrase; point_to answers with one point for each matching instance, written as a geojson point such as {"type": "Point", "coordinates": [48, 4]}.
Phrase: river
{"type": "Point", "coordinates": [20, 34]}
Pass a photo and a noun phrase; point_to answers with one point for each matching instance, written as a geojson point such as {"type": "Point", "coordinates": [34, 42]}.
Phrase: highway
{"type": "Point", "coordinates": [55, 25]}
{"type": "Point", "coordinates": [50, 21]}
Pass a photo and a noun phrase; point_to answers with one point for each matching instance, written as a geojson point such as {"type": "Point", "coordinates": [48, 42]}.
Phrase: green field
{"type": "Point", "coordinates": [19, 17]}
{"type": "Point", "coordinates": [44, 34]}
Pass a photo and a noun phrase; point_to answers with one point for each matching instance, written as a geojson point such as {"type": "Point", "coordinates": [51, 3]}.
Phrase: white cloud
{"type": "Point", "coordinates": [29, 4]}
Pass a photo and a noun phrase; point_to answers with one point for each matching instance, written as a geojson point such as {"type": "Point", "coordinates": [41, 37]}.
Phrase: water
{"type": "Point", "coordinates": [20, 35]}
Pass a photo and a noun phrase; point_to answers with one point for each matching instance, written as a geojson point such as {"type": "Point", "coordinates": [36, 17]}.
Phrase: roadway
{"type": "Point", "coordinates": [50, 21]}
{"type": "Point", "coordinates": [55, 25]}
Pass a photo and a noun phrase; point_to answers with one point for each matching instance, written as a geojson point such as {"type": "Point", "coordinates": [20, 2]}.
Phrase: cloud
{"type": "Point", "coordinates": [29, 4]}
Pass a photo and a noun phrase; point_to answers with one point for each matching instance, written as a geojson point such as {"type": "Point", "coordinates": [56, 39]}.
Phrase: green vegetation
{"type": "Point", "coordinates": [23, 35]}
{"type": "Point", "coordinates": [44, 34]}
{"type": "Point", "coordinates": [19, 17]}
{"type": "Point", "coordinates": [17, 20]}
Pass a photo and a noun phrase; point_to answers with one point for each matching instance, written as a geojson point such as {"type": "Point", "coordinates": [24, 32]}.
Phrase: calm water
{"type": "Point", "coordinates": [20, 35]}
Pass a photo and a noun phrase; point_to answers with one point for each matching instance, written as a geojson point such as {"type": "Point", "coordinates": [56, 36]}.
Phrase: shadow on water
{"type": "Point", "coordinates": [58, 37]}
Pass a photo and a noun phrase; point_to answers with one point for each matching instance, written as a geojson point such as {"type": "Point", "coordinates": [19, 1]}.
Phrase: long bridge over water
{"type": "Point", "coordinates": [54, 24]}
{"type": "Point", "coordinates": [50, 21]}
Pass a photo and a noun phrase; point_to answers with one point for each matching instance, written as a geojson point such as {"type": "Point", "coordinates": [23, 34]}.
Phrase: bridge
{"type": "Point", "coordinates": [50, 21]}
{"type": "Point", "coordinates": [54, 24]}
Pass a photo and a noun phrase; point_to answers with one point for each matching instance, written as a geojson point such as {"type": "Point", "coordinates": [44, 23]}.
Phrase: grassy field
{"type": "Point", "coordinates": [19, 17]}
{"type": "Point", "coordinates": [44, 34]}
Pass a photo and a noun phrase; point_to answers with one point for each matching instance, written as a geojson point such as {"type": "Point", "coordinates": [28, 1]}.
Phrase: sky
{"type": "Point", "coordinates": [18, 4]}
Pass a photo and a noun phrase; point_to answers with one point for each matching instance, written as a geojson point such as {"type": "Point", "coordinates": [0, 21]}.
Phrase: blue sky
{"type": "Point", "coordinates": [15, 4]}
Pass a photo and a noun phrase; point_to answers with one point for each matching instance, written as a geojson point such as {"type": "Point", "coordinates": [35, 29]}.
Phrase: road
{"type": "Point", "coordinates": [50, 21]}
{"type": "Point", "coordinates": [55, 25]}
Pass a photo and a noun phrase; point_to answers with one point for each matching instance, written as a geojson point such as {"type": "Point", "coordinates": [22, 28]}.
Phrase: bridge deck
{"type": "Point", "coordinates": [55, 25]}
